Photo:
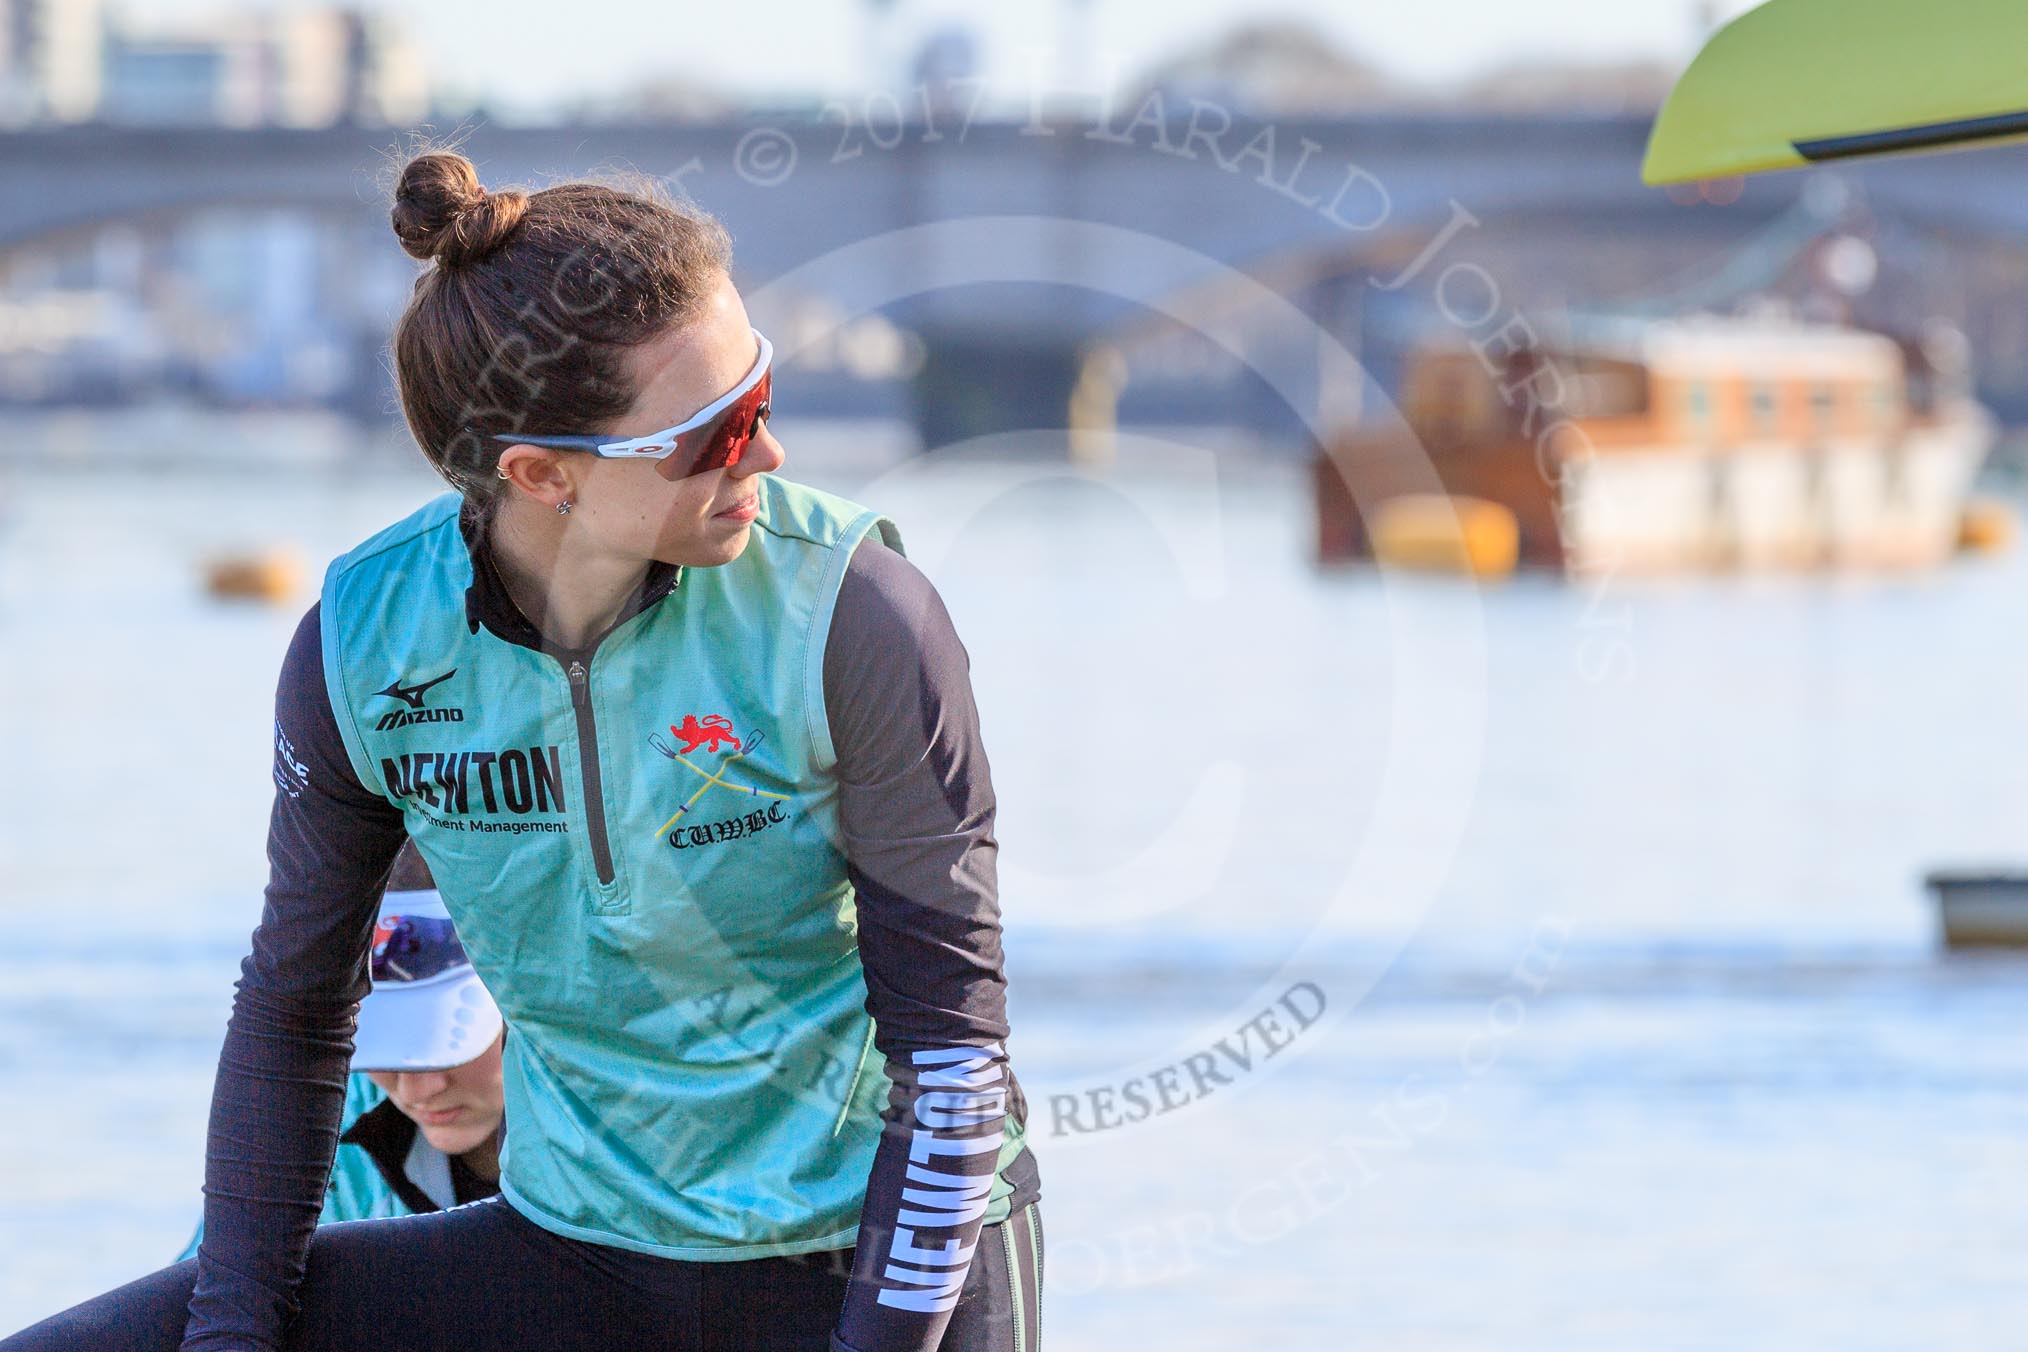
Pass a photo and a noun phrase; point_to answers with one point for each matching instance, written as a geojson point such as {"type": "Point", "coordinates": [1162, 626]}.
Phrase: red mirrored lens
{"type": "Point", "coordinates": [724, 439]}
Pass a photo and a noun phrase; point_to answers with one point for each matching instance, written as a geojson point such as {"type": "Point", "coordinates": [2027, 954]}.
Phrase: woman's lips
{"type": "Point", "coordinates": [438, 1117]}
{"type": "Point", "coordinates": [745, 511]}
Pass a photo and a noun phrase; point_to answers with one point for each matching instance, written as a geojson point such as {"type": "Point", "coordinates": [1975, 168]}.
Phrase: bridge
{"type": "Point", "coordinates": [1010, 246]}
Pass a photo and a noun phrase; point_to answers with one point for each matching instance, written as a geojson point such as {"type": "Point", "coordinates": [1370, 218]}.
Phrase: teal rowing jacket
{"type": "Point", "coordinates": [639, 846]}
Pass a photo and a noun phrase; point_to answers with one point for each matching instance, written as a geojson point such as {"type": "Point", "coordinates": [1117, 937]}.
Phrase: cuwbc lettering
{"type": "Point", "coordinates": [729, 828]}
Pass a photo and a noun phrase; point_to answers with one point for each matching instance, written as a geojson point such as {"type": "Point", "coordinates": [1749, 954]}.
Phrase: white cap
{"type": "Point", "coordinates": [441, 1018]}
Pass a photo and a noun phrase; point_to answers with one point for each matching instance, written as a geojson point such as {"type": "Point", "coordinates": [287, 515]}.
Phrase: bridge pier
{"type": "Point", "coordinates": [971, 386]}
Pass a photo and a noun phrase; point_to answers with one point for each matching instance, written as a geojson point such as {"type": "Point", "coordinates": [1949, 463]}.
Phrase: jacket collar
{"type": "Point", "coordinates": [385, 1133]}
{"type": "Point", "coordinates": [488, 604]}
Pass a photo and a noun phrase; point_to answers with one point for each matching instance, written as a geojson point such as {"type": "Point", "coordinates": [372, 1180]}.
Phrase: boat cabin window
{"type": "Point", "coordinates": [1886, 404]}
{"type": "Point", "coordinates": [1697, 400]}
{"type": "Point", "coordinates": [1763, 407]}
{"type": "Point", "coordinates": [1824, 407]}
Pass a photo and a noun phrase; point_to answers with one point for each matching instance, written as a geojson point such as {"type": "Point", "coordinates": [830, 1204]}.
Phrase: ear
{"type": "Point", "coordinates": [538, 472]}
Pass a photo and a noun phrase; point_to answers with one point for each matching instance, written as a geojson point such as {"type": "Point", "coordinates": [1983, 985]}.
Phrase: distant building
{"type": "Point", "coordinates": [677, 95]}
{"type": "Point", "coordinates": [50, 60]}
{"type": "Point", "coordinates": [388, 79]}
{"type": "Point", "coordinates": [946, 69]}
{"type": "Point", "coordinates": [293, 68]}
{"type": "Point", "coordinates": [1271, 68]}
{"type": "Point", "coordinates": [1537, 87]}
{"type": "Point", "coordinates": [1283, 68]}
{"type": "Point", "coordinates": [165, 82]}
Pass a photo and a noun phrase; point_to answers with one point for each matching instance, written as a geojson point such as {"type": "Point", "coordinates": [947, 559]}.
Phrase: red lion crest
{"type": "Point", "coordinates": [712, 730]}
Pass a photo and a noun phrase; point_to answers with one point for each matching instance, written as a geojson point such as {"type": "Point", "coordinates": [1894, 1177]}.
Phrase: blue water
{"type": "Point", "coordinates": [1635, 1031]}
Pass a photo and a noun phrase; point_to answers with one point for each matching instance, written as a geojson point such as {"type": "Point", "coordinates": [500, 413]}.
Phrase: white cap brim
{"type": "Point", "coordinates": [424, 1025]}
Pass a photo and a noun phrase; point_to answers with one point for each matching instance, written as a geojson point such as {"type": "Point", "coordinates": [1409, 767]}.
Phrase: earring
{"type": "Point", "coordinates": [563, 508]}
{"type": "Point", "coordinates": [503, 472]}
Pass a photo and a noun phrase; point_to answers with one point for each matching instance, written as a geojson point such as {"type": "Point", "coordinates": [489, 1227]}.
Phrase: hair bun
{"type": "Point", "coordinates": [441, 212]}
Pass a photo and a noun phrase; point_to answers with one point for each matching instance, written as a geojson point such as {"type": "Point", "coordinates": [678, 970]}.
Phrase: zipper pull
{"type": "Point", "coordinates": [576, 672]}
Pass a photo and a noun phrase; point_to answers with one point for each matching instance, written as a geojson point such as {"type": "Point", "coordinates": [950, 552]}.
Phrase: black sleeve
{"type": "Point", "coordinates": [280, 1090]}
{"type": "Point", "coordinates": [916, 812]}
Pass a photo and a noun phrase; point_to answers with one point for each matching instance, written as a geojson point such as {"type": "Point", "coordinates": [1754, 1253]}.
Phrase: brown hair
{"type": "Point", "coordinates": [523, 322]}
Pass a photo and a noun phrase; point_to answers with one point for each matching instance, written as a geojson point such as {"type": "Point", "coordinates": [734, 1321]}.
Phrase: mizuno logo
{"type": "Point", "coordinates": [412, 695]}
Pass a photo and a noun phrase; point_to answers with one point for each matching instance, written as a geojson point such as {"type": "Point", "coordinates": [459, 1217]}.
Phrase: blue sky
{"type": "Point", "coordinates": [523, 56]}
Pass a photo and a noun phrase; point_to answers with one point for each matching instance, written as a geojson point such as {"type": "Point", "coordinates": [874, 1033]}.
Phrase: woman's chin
{"type": "Point", "coordinates": [456, 1140]}
{"type": "Point", "coordinates": [719, 544]}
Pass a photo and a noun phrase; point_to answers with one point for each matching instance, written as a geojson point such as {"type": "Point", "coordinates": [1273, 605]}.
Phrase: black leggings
{"type": "Point", "coordinates": [482, 1276]}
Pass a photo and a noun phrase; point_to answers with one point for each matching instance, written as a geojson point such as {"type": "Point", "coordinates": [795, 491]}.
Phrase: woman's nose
{"type": "Point", "coordinates": [423, 1085]}
{"type": "Point", "coordinates": [762, 454]}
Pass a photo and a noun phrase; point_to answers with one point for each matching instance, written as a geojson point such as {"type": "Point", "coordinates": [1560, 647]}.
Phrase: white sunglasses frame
{"type": "Point", "coordinates": [656, 445]}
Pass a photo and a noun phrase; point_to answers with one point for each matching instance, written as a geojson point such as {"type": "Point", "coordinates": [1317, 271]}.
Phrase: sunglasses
{"type": "Point", "coordinates": [415, 948]}
{"type": "Point", "coordinates": [711, 438]}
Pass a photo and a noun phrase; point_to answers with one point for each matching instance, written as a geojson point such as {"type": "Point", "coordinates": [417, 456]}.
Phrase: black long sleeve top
{"type": "Point", "coordinates": [916, 811]}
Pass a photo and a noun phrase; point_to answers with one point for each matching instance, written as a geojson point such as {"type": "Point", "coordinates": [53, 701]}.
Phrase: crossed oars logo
{"type": "Point", "coordinates": [715, 729]}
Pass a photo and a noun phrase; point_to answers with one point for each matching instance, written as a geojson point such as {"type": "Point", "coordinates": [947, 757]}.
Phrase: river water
{"type": "Point", "coordinates": [1603, 1004]}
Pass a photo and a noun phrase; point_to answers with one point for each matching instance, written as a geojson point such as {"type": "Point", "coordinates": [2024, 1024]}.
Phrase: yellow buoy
{"type": "Point", "coordinates": [274, 575]}
{"type": "Point", "coordinates": [1987, 526]}
{"type": "Point", "coordinates": [1447, 534]}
